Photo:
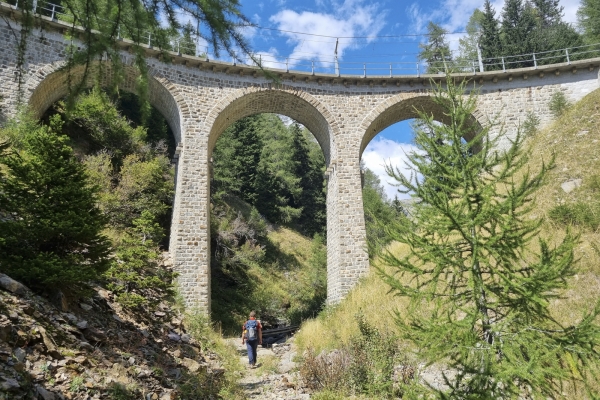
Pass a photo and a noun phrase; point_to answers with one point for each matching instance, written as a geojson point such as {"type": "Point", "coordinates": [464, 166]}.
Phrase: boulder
{"type": "Point", "coordinates": [10, 285]}
{"type": "Point", "coordinates": [571, 185]}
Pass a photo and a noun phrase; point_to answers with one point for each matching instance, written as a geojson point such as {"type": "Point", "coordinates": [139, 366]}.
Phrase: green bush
{"type": "Point", "coordinates": [50, 227]}
{"type": "Point", "coordinates": [531, 124]}
{"type": "Point", "coordinates": [364, 366]}
{"type": "Point", "coordinates": [558, 104]}
{"type": "Point", "coordinates": [135, 274]}
{"type": "Point", "coordinates": [372, 358]}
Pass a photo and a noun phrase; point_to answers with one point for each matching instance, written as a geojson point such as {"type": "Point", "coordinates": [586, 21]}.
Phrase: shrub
{"type": "Point", "coordinates": [365, 365]}
{"type": "Point", "coordinates": [530, 125]}
{"type": "Point", "coordinates": [558, 104]}
{"type": "Point", "coordinates": [328, 372]}
{"type": "Point", "coordinates": [135, 274]}
{"type": "Point", "coordinates": [372, 356]}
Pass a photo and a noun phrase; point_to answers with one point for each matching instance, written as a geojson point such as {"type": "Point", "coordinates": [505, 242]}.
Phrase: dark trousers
{"type": "Point", "coordinates": [252, 345]}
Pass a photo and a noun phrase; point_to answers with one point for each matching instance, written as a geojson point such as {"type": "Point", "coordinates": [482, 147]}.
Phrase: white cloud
{"type": "Point", "coordinates": [352, 18]}
{"type": "Point", "coordinates": [571, 7]}
{"type": "Point", "coordinates": [268, 59]}
{"type": "Point", "coordinates": [383, 151]}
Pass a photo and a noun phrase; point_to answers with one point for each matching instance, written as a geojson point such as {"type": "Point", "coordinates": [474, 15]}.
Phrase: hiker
{"type": "Point", "coordinates": [252, 336]}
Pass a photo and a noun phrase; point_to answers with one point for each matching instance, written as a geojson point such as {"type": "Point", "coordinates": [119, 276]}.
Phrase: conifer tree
{"type": "Point", "coordinates": [478, 276]}
{"type": "Point", "coordinates": [309, 167]}
{"type": "Point", "coordinates": [518, 25]}
{"type": "Point", "coordinates": [552, 33]}
{"type": "Point", "coordinates": [588, 16]}
{"type": "Point", "coordinates": [491, 46]}
{"type": "Point", "coordinates": [436, 52]}
{"type": "Point", "coordinates": [186, 43]}
{"type": "Point", "coordinates": [236, 157]}
{"type": "Point", "coordinates": [548, 12]}
{"type": "Point", "coordinates": [50, 227]}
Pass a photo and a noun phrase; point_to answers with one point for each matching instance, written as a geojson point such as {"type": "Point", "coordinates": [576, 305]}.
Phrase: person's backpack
{"type": "Point", "coordinates": [251, 329]}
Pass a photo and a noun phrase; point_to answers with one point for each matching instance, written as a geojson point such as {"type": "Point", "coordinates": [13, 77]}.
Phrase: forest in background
{"type": "Point", "coordinates": [520, 29]}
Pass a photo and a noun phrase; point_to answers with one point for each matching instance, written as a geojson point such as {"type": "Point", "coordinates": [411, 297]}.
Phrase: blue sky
{"type": "Point", "coordinates": [378, 33]}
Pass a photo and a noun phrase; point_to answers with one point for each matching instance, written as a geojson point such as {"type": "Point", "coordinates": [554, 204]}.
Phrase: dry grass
{"type": "Point", "coordinates": [574, 140]}
{"type": "Point", "coordinates": [337, 325]}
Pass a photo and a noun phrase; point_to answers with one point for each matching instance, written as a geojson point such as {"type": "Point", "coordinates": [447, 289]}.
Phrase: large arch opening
{"type": "Point", "coordinates": [388, 138]}
{"type": "Point", "coordinates": [267, 248]}
{"type": "Point", "coordinates": [129, 162]}
{"type": "Point", "coordinates": [55, 86]}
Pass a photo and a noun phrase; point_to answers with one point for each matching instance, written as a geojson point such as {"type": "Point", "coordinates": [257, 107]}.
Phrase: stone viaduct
{"type": "Point", "coordinates": [201, 98]}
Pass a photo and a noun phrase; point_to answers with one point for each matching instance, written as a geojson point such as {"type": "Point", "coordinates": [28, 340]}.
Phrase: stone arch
{"type": "Point", "coordinates": [49, 84]}
{"type": "Point", "coordinates": [404, 106]}
{"type": "Point", "coordinates": [295, 104]}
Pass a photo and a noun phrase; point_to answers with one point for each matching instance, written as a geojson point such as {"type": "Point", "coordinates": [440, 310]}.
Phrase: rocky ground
{"type": "Point", "coordinates": [88, 347]}
{"type": "Point", "coordinates": [276, 376]}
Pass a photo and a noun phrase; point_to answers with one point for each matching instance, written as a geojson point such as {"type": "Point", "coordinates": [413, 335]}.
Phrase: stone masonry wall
{"type": "Point", "coordinates": [200, 99]}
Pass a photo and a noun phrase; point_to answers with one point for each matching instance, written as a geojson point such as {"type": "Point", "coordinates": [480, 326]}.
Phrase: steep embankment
{"type": "Point", "coordinates": [570, 199]}
{"type": "Point", "coordinates": [88, 347]}
{"type": "Point", "coordinates": [257, 265]}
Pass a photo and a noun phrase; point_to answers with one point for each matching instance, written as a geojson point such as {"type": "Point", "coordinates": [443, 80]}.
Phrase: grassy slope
{"type": "Point", "coordinates": [280, 282]}
{"type": "Point", "coordinates": [575, 140]}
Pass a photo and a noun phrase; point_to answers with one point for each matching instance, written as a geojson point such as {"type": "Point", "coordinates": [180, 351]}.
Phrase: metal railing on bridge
{"type": "Point", "coordinates": [167, 40]}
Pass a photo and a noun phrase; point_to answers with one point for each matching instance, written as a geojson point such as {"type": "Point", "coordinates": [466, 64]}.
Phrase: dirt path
{"type": "Point", "coordinates": [275, 376]}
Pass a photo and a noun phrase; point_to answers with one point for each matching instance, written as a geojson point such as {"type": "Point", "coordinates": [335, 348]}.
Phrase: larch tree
{"type": "Point", "coordinates": [478, 276]}
{"type": "Point", "coordinates": [436, 52]}
{"type": "Point", "coordinates": [150, 22]}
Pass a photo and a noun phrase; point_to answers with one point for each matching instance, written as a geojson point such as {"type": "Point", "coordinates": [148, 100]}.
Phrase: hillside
{"type": "Point", "coordinates": [87, 346]}
{"type": "Point", "coordinates": [569, 199]}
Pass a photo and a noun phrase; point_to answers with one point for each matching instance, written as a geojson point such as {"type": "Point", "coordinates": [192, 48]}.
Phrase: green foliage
{"type": "Point", "coordinates": [490, 42]}
{"type": "Point", "coordinates": [531, 124]}
{"type": "Point", "coordinates": [372, 360]}
{"type": "Point", "coordinates": [436, 52]}
{"type": "Point", "coordinates": [588, 16]}
{"type": "Point", "coordinates": [467, 46]}
{"type": "Point", "coordinates": [380, 213]}
{"type": "Point", "coordinates": [479, 289]}
{"type": "Point", "coordinates": [135, 189]}
{"type": "Point", "coordinates": [310, 292]}
{"type": "Point", "coordinates": [50, 227]}
{"type": "Point", "coordinates": [525, 27]}
{"type": "Point", "coordinates": [94, 124]}
{"type": "Point", "coordinates": [264, 170]}
{"type": "Point", "coordinates": [118, 391]}
{"type": "Point", "coordinates": [558, 104]}
{"type": "Point", "coordinates": [518, 24]}
{"type": "Point", "coordinates": [76, 384]}
{"type": "Point", "coordinates": [364, 366]}
{"type": "Point", "coordinates": [584, 214]}
{"type": "Point", "coordinates": [278, 170]}
{"type": "Point", "coordinates": [223, 386]}
{"type": "Point", "coordinates": [135, 275]}
{"type": "Point", "coordinates": [141, 184]}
